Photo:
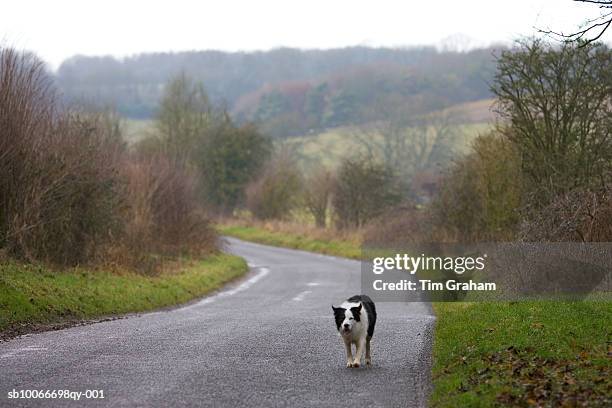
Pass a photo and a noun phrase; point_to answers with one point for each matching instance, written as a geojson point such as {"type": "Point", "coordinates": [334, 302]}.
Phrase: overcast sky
{"type": "Point", "coordinates": [58, 29]}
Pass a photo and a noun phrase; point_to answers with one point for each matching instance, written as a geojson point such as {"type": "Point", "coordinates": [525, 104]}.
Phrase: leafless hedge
{"type": "Point", "coordinates": [69, 190]}
{"type": "Point", "coordinates": [163, 215]}
{"type": "Point", "coordinates": [581, 215]}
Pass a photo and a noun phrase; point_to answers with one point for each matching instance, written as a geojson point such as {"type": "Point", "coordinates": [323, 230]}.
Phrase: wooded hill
{"type": "Point", "coordinates": [289, 91]}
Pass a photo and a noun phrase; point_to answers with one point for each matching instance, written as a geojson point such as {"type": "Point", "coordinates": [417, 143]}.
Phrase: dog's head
{"type": "Point", "coordinates": [346, 318]}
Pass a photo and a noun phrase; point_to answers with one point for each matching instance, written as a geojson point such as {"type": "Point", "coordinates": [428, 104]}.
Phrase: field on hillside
{"type": "Point", "coordinates": [329, 147]}
{"type": "Point", "coordinates": [137, 129]}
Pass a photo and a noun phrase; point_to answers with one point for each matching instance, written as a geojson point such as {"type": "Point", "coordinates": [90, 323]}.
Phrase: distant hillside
{"type": "Point", "coordinates": [289, 91]}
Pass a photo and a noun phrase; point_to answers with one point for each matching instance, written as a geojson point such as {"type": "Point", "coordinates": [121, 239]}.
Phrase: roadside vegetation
{"type": "Point", "coordinates": [522, 354]}
{"type": "Point", "coordinates": [35, 296]}
{"type": "Point", "coordinates": [90, 226]}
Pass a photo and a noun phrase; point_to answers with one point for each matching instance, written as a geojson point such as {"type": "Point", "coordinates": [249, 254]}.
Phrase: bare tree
{"type": "Point", "coordinates": [592, 29]}
{"type": "Point", "coordinates": [317, 194]}
{"type": "Point", "coordinates": [558, 105]}
{"type": "Point", "coordinates": [407, 143]}
{"type": "Point", "coordinates": [364, 189]}
{"type": "Point", "coordinates": [185, 113]}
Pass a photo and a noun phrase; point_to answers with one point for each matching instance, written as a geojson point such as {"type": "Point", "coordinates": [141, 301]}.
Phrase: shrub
{"type": "Point", "coordinates": [364, 189]}
{"type": "Point", "coordinates": [580, 215]}
{"type": "Point", "coordinates": [481, 194]}
{"type": "Point", "coordinates": [317, 194]}
{"type": "Point", "coordinates": [59, 185]}
{"type": "Point", "coordinates": [228, 159]}
{"type": "Point", "coordinates": [401, 226]}
{"type": "Point", "coordinates": [163, 214]}
{"type": "Point", "coordinates": [277, 191]}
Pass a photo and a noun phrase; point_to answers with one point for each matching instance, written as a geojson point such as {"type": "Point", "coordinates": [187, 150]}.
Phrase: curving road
{"type": "Point", "coordinates": [269, 340]}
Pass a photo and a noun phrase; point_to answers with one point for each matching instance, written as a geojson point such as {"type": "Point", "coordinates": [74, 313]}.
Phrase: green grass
{"type": "Point", "coordinates": [346, 249]}
{"type": "Point", "coordinates": [31, 295]}
{"type": "Point", "coordinates": [522, 354]}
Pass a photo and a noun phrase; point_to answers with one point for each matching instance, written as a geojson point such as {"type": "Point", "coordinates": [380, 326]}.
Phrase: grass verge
{"type": "Point", "coordinates": [522, 354]}
{"type": "Point", "coordinates": [32, 295]}
{"type": "Point", "coordinates": [337, 247]}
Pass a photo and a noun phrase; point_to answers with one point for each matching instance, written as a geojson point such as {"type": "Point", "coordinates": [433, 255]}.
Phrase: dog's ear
{"type": "Point", "coordinates": [338, 311]}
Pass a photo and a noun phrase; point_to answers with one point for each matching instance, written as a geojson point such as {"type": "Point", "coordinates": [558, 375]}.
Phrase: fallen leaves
{"type": "Point", "coordinates": [534, 381]}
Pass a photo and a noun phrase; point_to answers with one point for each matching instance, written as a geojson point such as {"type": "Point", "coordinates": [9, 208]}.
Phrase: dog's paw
{"type": "Point", "coordinates": [349, 365]}
{"type": "Point", "coordinates": [368, 362]}
{"type": "Point", "coordinates": [356, 364]}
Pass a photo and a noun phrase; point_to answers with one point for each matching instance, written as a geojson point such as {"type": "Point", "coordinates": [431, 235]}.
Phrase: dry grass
{"type": "Point", "coordinates": [297, 228]}
{"type": "Point", "coordinates": [345, 243]}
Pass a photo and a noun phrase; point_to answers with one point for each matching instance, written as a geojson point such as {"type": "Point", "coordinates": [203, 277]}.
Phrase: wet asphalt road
{"type": "Point", "coordinates": [268, 340]}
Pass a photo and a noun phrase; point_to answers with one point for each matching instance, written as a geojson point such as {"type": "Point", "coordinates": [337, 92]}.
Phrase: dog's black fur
{"type": "Point", "coordinates": [370, 310]}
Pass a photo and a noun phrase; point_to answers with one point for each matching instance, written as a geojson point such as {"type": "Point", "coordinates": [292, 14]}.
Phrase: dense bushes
{"type": "Point", "coordinates": [70, 193]}
{"type": "Point", "coordinates": [229, 158]}
{"type": "Point", "coordinates": [480, 195]}
{"type": "Point", "coordinates": [581, 215]}
{"type": "Point", "coordinates": [364, 189]}
{"type": "Point", "coordinates": [163, 211]}
{"type": "Point", "coordinates": [60, 185]}
{"type": "Point", "coordinates": [277, 190]}
{"type": "Point", "coordinates": [558, 104]}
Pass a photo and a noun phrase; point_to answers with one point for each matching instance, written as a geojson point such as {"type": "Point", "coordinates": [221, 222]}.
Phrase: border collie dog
{"type": "Point", "coordinates": [355, 320]}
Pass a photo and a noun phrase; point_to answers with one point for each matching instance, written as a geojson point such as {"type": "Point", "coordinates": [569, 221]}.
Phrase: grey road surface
{"type": "Point", "coordinates": [268, 341]}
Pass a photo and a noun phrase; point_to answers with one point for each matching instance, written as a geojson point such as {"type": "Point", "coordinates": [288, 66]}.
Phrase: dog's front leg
{"type": "Point", "coordinates": [357, 360]}
{"type": "Point", "coordinates": [349, 353]}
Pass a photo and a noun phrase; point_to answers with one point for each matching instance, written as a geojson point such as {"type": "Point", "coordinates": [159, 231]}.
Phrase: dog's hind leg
{"type": "Point", "coordinates": [349, 353]}
{"type": "Point", "coordinates": [368, 356]}
{"type": "Point", "coordinates": [357, 360]}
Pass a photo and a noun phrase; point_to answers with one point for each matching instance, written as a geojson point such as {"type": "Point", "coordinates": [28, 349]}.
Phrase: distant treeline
{"type": "Point", "coordinates": [288, 91]}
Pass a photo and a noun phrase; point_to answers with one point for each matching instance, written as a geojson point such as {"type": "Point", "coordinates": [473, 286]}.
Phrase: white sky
{"type": "Point", "coordinates": [57, 29]}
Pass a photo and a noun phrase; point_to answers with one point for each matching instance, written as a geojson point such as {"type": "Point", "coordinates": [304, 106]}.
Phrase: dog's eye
{"type": "Point", "coordinates": [351, 318]}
